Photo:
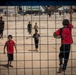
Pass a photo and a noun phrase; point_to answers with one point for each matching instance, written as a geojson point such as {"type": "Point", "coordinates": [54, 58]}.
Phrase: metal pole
{"type": "Point", "coordinates": [71, 14]}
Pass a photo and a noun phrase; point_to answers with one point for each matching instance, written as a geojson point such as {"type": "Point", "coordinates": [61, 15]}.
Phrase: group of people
{"type": "Point", "coordinates": [65, 34]}
{"type": "Point", "coordinates": [10, 44]}
{"type": "Point", "coordinates": [29, 27]}
{"type": "Point", "coordinates": [36, 35]}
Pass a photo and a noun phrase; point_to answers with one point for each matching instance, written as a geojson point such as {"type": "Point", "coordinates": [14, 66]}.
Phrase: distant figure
{"type": "Point", "coordinates": [66, 11]}
{"type": "Point", "coordinates": [52, 12]}
{"type": "Point", "coordinates": [29, 27]}
{"type": "Point", "coordinates": [66, 40]}
{"type": "Point", "coordinates": [10, 44]}
{"type": "Point", "coordinates": [36, 39]}
{"type": "Point", "coordinates": [20, 8]}
{"type": "Point", "coordinates": [35, 27]}
{"type": "Point", "coordinates": [5, 13]}
{"type": "Point", "coordinates": [1, 27]}
{"type": "Point", "coordinates": [60, 13]}
{"type": "Point", "coordinates": [49, 13]}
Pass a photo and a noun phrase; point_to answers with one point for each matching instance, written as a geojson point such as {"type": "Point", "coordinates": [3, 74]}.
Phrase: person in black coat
{"type": "Point", "coordinates": [1, 27]}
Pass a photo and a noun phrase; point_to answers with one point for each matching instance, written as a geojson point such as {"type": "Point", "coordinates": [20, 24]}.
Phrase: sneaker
{"type": "Point", "coordinates": [10, 66]}
{"type": "Point", "coordinates": [60, 70]}
{"type": "Point", "coordinates": [63, 70]}
{"type": "Point", "coordinates": [36, 50]}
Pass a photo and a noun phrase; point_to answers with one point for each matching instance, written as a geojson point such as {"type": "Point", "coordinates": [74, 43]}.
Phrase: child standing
{"type": "Point", "coordinates": [1, 27]}
{"type": "Point", "coordinates": [36, 39]}
{"type": "Point", "coordinates": [66, 40]}
{"type": "Point", "coordinates": [10, 44]}
{"type": "Point", "coordinates": [35, 27]}
{"type": "Point", "coordinates": [29, 27]}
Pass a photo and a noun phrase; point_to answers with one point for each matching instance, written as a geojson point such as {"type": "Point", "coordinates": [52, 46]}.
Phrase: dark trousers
{"type": "Point", "coordinates": [10, 57]}
{"type": "Point", "coordinates": [1, 33]}
{"type": "Point", "coordinates": [29, 30]}
{"type": "Point", "coordinates": [35, 30]}
{"type": "Point", "coordinates": [36, 43]}
{"type": "Point", "coordinates": [64, 53]}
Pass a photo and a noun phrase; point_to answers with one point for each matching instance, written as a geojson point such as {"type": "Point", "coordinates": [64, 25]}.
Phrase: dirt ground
{"type": "Point", "coordinates": [26, 60]}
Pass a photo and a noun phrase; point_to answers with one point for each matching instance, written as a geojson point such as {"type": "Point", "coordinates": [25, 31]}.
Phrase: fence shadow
{"type": "Point", "coordinates": [32, 50]}
{"type": "Point", "coordinates": [4, 65]}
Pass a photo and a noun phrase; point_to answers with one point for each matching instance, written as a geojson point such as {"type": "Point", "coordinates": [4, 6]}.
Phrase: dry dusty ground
{"type": "Point", "coordinates": [26, 60]}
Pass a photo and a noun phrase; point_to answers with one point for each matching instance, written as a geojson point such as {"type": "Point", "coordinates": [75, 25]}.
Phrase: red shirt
{"type": "Point", "coordinates": [10, 46]}
{"type": "Point", "coordinates": [66, 34]}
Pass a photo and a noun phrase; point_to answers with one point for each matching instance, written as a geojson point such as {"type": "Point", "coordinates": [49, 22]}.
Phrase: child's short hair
{"type": "Point", "coordinates": [10, 36]}
{"type": "Point", "coordinates": [36, 30]}
{"type": "Point", "coordinates": [35, 22]}
{"type": "Point", "coordinates": [65, 22]}
{"type": "Point", "coordinates": [1, 17]}
{"type": "Point", "coordinates": [29, 21]}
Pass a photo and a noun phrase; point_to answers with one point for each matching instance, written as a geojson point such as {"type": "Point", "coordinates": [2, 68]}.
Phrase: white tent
{"type": "Point", "coordinates": [62, 8]}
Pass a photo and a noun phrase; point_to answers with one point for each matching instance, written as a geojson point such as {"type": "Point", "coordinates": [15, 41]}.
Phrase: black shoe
{"type": "Point", "coordinates": [63, 70]}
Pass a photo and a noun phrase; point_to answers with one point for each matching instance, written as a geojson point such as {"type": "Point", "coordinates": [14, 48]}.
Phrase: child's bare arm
{"type": "Point", "coordinates": [4, 49]}
{"type": "Point", "coordinates": [15, 48]}
{"type": "Point", "coordinates": [54, 35]}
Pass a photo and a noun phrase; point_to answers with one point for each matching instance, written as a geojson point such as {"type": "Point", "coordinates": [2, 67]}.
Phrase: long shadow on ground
{"type": "Point", "coordinates": [4, 65]}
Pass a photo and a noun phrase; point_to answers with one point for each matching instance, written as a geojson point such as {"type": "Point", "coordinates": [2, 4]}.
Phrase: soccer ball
{"type": "Point", "coordinates": [55, 36]}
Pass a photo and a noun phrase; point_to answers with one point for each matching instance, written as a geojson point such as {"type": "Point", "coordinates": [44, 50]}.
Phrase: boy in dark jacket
{"type": "Point", "coordinates": [9, 45]}
{"type": "Point", "coordinates": [29, 27]}
{"type": "Point", "coordinates": [36, 39]}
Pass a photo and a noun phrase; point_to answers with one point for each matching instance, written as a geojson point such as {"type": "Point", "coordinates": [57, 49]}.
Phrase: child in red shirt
{"type": "Point", "coordinates": [10, 44]}
{"type": "Point", "coordinates": [66, 40]}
